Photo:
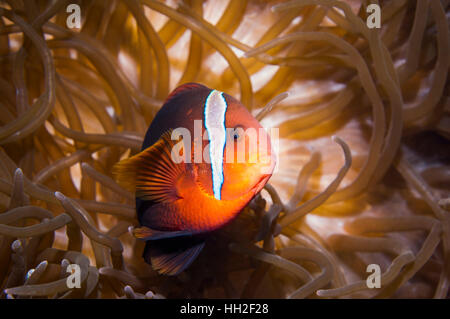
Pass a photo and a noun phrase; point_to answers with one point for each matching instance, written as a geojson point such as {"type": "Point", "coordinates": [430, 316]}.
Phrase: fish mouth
{"type": "Point", "coordinates": [266, 171]}
{"type": "Point", "coordinates": [260, 184]}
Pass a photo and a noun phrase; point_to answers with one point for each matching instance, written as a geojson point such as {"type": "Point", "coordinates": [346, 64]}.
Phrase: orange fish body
{"type": "Point", "coordinates": [189, 188]}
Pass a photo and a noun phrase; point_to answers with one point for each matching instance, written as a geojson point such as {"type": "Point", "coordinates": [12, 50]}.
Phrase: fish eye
{"type": "Point", "coordinates": [236, 133]}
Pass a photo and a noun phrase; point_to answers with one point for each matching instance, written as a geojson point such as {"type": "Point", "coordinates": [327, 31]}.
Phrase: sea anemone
{"type": "Point", "coordinates": [363, 174]}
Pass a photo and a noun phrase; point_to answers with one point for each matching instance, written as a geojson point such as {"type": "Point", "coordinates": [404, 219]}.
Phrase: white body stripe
{"type": "Point", "coordinates": [215, 109]}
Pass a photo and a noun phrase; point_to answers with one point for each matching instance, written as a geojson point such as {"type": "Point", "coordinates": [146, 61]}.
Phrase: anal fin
{"type": "Point", "coordinates": [146, 233]}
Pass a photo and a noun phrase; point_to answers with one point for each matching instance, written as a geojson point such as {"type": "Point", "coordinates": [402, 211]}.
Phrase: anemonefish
{"type": "Point", "coordinates": [179, 203]}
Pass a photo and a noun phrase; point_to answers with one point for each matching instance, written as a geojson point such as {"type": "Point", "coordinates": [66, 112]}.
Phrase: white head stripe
{"type": "Point", "coordinates": [215, 109]}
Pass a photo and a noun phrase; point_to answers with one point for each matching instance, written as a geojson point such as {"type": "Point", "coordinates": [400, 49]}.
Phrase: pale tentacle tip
{"type": "Point", "coordinates": [16, 245]}
{"type": "Point", "coordinates": [149, 295]}
{"type": "Point", "coordinates": [65, 262]}
{"type": "Point", "coordinates": [18, 172]}
{"type": "Point", "coordinates": [285, 95]}
{"type": "Point", "coordinates": [336, 139]}
{"type": "Point", "coordinates": [340, 141]}
{"type": "Point", "coordinates": [320, 292]}
{"type": "Point", "coordinates": [128, 289]}
{"type": "Point", "coordinates": [274, 8]}
{"type": "Point", "coordinates": [29, 273]}
{"type": "Point", "coordinates": [278, 7]}
{"type": "Point", "coordinates": [60, 196]}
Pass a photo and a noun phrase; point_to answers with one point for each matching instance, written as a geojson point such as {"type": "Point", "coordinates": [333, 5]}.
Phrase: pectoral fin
{"type": "Point", "coordinates": [152, 174]}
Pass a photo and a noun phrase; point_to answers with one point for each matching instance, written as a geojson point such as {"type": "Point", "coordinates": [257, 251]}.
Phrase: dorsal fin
{"type": "Point", "coordinates": [184, 88]}
{"type": "Point", "coordinates": [152, 174]}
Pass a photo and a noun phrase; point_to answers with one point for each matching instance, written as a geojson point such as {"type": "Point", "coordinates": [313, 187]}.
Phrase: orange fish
{"type": "Point", "coordinates": [187, 188]}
